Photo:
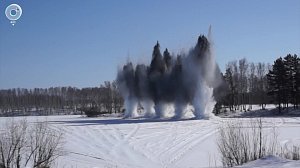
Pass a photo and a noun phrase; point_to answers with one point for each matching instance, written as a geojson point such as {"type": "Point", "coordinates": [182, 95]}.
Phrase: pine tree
{"type": "Point", "coordinates": [293, 71]}
{"type": "Point", "coordinates": [289, 62]}
{"type": "Point", "coordinates": [277, 81]}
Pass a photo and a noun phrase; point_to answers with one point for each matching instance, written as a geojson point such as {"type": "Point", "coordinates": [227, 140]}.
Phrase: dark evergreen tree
{"type": "Point", "coordinates": [291, 78]}
{"type": "Point", "coordinates": [277, 81]}
{"type": "Point", "coordinates": [297, 80]}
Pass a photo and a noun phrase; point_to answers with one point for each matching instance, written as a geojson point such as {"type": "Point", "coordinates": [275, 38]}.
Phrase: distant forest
{"type": "Point", "coordinates": [245, 83]}
{"type": "Point", "coordinates": [60, 100]}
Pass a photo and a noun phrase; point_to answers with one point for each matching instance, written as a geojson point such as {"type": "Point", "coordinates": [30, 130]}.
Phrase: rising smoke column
{"type": "Point", "coordinates": [127, 87]}
{"type": "Point", "coordinates": [142, 89]}
{"type": "Point", "coordinates": [185, 79]}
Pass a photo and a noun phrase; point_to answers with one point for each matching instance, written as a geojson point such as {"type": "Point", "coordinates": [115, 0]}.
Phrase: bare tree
{"type": "Point", "coordinates": [240, 142]}
{"type": "Point", "coordinates": [45, 145]}
{"type": "Point", "coordinates": [36, 146]}
{"type": "Point", "coordinates": [243, 82]}
{"type": "Point", "coordinates": [12, 144]}
{"type": "Point", "coordinates": [262, 89]}
{"type": "Point", "coordinates": [236, 83]}
{"type": "Point", "coordinates": [251, 84]}
{"type": "Point", "coordinates": [232, 78]}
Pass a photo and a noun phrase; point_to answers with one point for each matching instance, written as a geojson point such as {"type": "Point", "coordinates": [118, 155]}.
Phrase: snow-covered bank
{"type": "Point", "coordinates": [270, 110]}
{"type": "Point", "coordinates": [271, 162]}
{"type": "Point", "coordinates": [115, 142]}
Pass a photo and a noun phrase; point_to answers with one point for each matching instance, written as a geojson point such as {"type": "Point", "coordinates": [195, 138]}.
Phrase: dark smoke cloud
{"type": "Point", "coordinates": [180, 80]}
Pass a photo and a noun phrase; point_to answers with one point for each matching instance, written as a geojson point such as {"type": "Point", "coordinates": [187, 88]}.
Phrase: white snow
{"type": "Point", "coordinates": [148, 143]}
{"type": "Point", "coordinates": [271, 162]}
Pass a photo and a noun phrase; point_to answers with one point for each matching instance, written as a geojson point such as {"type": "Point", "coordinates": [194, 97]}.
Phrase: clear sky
{"type": "Point", "coordinates": [81, 43]}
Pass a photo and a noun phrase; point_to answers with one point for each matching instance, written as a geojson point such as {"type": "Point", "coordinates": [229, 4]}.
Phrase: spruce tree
{"type": "Point", "coordinates": [292, 67]}
{"type": "Point", "coordinates": [277, 81]}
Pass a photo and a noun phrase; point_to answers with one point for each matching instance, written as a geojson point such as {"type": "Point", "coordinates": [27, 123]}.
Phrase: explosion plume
{"type": "Point", "coordinates": [182, 80]}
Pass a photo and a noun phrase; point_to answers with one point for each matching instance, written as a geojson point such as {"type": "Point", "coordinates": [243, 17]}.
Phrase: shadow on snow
{"type": "Point", "coordinates": [101, 121]}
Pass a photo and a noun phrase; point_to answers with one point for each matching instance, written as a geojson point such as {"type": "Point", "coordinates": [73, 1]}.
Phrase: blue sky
{"type": "Point", "coordinates": [81, 43]}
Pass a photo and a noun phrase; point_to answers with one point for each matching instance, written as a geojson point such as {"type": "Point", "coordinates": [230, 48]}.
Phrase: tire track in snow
{"type": "Point", "coordinates": [186, 138]}
{"type": "Point", "coordinates": [152, 155]}
{"type": "Point", "coordinates": [185, 142]}
{"type": "Point", "coordinates": [190, 145]}
{"type": "Point", "coordinates": [125, 139]}
{"type": "Point", "coordinates": [172, 146]}
{"type": "Point", "coordinates": [177, 141]}
{"type": "Point", "coordinates": [116, 132]}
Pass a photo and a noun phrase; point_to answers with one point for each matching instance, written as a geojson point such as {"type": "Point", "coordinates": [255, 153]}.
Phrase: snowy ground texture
{"type": "Point", "coordinates": [147, 143]}
{"type": "Point", "coordinates": [271, 162]}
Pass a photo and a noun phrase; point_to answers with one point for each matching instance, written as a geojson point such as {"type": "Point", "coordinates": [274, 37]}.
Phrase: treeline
{"type": "Point", "coordinates": [249, 83]}
{"type": "Point", "coordinates": [245, 84]}
{"type": "Point", "coordinates": [46, 101]}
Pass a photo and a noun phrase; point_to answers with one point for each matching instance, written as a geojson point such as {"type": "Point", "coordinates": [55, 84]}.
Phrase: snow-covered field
{"type": "Point", "coordinates": [131, 143]}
